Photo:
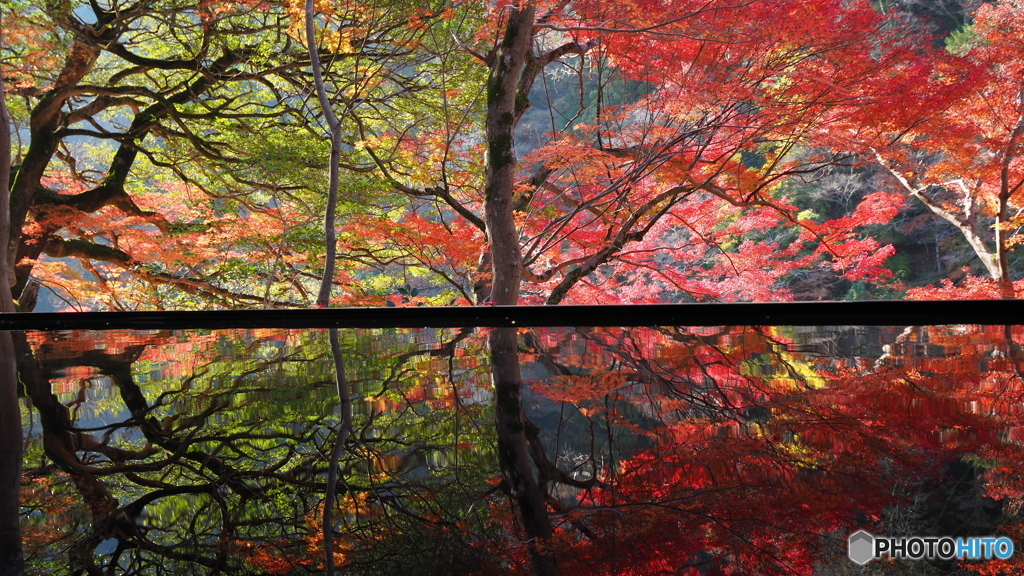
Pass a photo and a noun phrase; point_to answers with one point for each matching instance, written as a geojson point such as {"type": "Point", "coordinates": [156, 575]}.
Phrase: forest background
{"type": "Point", "coordinates": [172, 154]}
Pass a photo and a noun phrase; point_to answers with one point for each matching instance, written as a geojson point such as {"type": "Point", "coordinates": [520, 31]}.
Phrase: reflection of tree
{"type": "Point", "coordinates": [644, 451]}
{"type": "Point", "coordinates": [156, 465]}
{"type": "Point", "coordinates": [10, 461]}
{"type": "Point", "coordinates": [736, 453]}
{"type": "Point", "coordinates": [413, 480]}
{"type": "Point", "coordinates": [223, 467]}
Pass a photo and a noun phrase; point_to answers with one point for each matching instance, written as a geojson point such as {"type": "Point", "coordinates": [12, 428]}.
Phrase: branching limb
{"type": "Point", "coordinates": [83, 249]}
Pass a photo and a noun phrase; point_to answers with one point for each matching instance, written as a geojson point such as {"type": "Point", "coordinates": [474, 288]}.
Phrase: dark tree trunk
{"type": "Point", "coordinates": [46, 118]}
{"type": "Point", "coordinates": [1006, 190]}
{"type": "Point", "coordinates": [345, 428]}
{"type": "Point", "coordinates": [10, 461]}
{"type": "Point", "coordinates": [513, 447]}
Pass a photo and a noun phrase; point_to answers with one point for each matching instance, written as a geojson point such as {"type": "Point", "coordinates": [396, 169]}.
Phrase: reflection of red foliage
{"type": "Point", "coordinates": [283, 556]}
{"type": "Point", "coordinates": [51, 509]}
{"type": "Point", "coordinates": [69, 345]}
{"type": "Point", "coordinates": [760, 453]}
{"type": "Point", "coordinates": [754, 502]}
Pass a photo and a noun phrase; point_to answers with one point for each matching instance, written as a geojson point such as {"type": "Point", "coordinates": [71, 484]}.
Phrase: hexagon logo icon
{"type": "Point", "coordinates": [861, 547]}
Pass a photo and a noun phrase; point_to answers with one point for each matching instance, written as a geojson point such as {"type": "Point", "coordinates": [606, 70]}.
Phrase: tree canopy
{"type": "Point", "coordinates": [173, 154]}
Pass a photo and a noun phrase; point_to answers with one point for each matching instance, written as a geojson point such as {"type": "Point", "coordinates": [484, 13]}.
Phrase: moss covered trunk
{"type": "Point", "coordinates": [502, 88]}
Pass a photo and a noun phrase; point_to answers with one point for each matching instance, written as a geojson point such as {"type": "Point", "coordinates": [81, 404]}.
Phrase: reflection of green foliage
{"type": "Point", "coordinates": [242, 437]}
{"type": "Point", "coordinates": [778, 367]}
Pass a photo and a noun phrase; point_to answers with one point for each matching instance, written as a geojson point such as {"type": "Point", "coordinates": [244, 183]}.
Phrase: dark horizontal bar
{"type": "Point", "coordinates": [872, 313]}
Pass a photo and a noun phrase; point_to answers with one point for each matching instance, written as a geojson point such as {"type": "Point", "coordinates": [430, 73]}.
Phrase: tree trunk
{"type": "Point", "coordinates": [1002, 261]}
{"type": "Point", "coordinates": [6, 265]}
{"type": "Point", "coordinates": [45, 120]}
{"type": "Point", "coordinates": [502, 89]}
{"type": "Point", "coordinates": [324, 296]}
{"type": "Point", "coordinates": [1005, 191]}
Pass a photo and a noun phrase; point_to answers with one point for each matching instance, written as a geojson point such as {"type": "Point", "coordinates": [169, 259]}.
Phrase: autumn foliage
{"type": "Point", "coordinates": [661, 151]}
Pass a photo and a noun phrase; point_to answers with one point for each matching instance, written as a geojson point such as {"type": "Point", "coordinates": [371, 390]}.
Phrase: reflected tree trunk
{"type": "Point", "coordinates": [345, 405]}
{"type": "Point", "coordinates": [513, 447]}
{"type": "Point", "coordinates": [59, 444]}
{"type": "Point", "coordinates": [10, 461]}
